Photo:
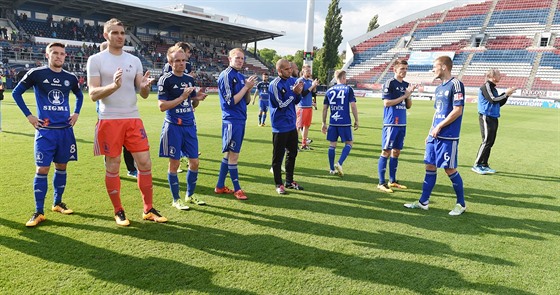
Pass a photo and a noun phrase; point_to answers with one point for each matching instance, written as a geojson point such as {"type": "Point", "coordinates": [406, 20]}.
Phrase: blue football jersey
{"type": "Point", "coordinates": [283, 102]}
{"type": "Point", "coordinates": [339, 98]}
{"type": "Point", "coordinates": [262, 88]}
{"type": "Point", "coordinates": [447, 95]}
{"type": "Point", "coordinates": [230, 82]}
{"type": "Point", "coordinates": [307, 100]}
{"type": "Point", "coordinates": [394, 115]}
{"type": "Point", "coordinates": [170, 87]}
{"type": "Point", "coordinates": [52, 93]}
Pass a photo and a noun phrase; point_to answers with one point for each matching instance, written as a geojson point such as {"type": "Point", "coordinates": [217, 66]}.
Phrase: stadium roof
{"type": "Point", "coordinates": [135, 15]}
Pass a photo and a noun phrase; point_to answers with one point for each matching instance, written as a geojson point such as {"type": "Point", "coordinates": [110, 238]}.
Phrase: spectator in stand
{"type": "Point", "coordinates": [489, 104]}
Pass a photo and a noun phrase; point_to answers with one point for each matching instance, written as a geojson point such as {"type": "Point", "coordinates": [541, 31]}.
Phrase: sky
{"type": "Point", "coordinates": [290, 16]}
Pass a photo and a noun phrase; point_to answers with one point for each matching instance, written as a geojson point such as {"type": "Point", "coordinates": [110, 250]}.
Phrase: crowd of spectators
{"type": "Point", "coordinates": [66, 28]}
{"type": "Point", "coordinates": [207, 58]}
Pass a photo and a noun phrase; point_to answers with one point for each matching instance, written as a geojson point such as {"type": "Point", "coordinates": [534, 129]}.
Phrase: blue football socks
{"type": "Point", "coordinates": [59, 184]}
{"type": "Point", "coordinates": [381, 167]}
{"type": "Point", "coordinates": [40, 187]}
{"type": "Point", "coordinates": [173, 185]}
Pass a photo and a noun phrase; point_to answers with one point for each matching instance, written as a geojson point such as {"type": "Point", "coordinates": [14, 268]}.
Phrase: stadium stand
{"type": "Point", "coordinates": [521, 38]}
{"type": "Point", "coordinates": [30, 25]}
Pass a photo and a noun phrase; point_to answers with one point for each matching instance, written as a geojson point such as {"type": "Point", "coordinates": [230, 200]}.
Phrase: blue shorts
{"type": "Point", "coordinates": [392, 137]}
{"type": "Point", "coordinates": [55, 145]}
{"type": "Point", "coordinates": [263, 104]}
{"type": "Point", "coordinates": [344, 132]}
{"type": "Point", "coordinates": [442, 153]}
{"type": "Point", "coordinates": [232, 136]}
{"type": "Point", "coordinates": [177, 140]}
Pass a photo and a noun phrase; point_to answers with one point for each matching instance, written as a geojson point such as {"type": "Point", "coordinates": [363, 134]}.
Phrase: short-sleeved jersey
{"type": "Point", "coordinates": [447, 95]}
{"type": "Point", "coordinates": [230, 82]}
{"type": "Point", "coordinates": [121, 104]}
{"type": "Point", "coordinates": [283, 102]}
{"type": "Point", "coordinates": [307, 100]}
{"type": "Point", "coordinates": [52, 93]}
{"type": "Point", "coordinates": [167, 68]}
{"type": "Point", "coordinates": [262, 88]}
{"type": "Point", "coordinates": [170, 87]}
{"type": "Point", "coordinates": [338, 98]}
{"type": "Point", "coordinates": [394, 115]}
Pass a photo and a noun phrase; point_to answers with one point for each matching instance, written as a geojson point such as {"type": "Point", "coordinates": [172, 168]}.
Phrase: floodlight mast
{"type": "Point", "coordinates": [308, 43]}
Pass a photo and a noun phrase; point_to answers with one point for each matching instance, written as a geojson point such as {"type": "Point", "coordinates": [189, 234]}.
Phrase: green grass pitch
{"type": "Point", "coordinates": [339, 236]}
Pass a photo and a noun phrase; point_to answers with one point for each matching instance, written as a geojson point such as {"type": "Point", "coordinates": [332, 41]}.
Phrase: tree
{"type": "Point", "coordinates": [317, 64]}
{"type": "Point", "coordinates": [269, 55]}
{"type": "Point", "coordinates": [297, 58]}
{"type": "Point", "coordinates": [332, 39]}
{"type": "Point", "coordinates": [373, 23]}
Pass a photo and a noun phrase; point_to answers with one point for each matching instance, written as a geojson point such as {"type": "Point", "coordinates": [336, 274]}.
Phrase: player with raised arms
{"type": "Point", "coordinates": [177, 97]}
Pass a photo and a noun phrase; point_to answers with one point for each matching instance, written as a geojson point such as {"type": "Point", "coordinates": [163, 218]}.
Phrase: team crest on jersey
{"type": "Point", "coordinates": [439, 106]}
{"type": "Point", "coordinates": [56, 97]}
{"type": "Point", "coordinates": [66, 83]}
{"type": "Point", "coordinates": [172, 151]}
{"type": "Point", "coordinates": [39, 157]}
{"type": "Point", "coordinates": [446, 93]}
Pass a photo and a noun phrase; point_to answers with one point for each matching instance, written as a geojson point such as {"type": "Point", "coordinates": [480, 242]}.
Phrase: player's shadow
{"type": "Point", "coordinates": [245, 139]}
{"type": "Point", "coordinates": [30, 134]}
{"type": "Point", "coordinates": [390, 209]}
{"type": "Point", "coordinates": [276, 251]}
{"type": "Point", "coordinates": [110, 266]}
{"type": "Point", "coordinates": [383, 240]}
{"type": "Point", "coordinates": [503, 199]}
{"type": "Point", "coordinates": [500, 174]}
